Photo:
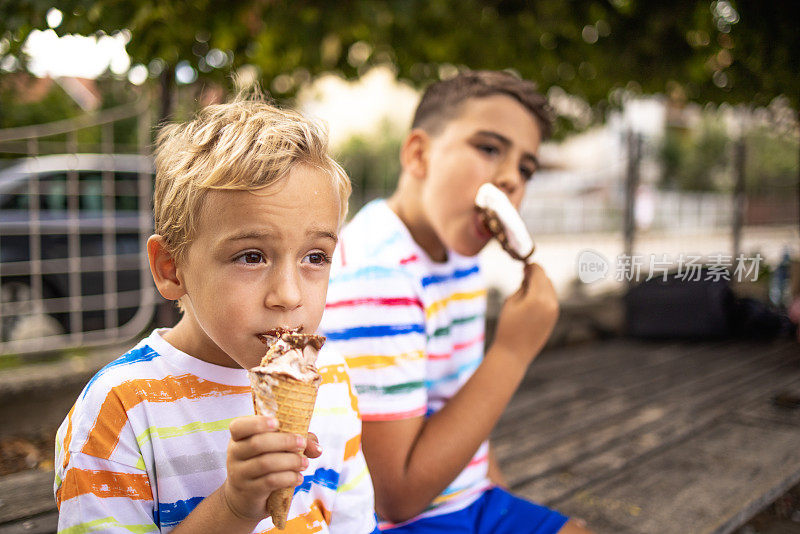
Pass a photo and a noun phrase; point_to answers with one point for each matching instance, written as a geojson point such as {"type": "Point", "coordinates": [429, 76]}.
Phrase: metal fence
{"type": "Point", "coordinates": [624, 195]}
{"type": "Point", "coordinates": [74, 220]}
{"type": "Point", "coordinates": [604, 212]}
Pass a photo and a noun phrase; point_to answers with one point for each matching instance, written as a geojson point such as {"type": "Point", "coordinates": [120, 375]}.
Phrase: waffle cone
{"type": "Point", "coordinates": [292, 403]}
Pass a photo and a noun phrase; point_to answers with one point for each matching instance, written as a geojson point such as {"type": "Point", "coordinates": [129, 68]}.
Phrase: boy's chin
{"type": "Point", "coordinates": [469, 250]}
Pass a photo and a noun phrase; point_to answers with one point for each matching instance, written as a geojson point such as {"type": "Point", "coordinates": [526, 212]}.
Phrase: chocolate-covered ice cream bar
{"type": "Point", "coordinates": [502, 220]}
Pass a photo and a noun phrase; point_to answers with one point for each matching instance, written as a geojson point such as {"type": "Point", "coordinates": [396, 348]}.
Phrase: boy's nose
{"type": "Point", "coordinates": [284, 289]}
{"type": "Point", "coordinates": [507, 179]}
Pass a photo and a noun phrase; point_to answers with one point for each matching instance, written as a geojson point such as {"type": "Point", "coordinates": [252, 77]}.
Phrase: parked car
{"type": "Point", "coordinates": [72, 231]}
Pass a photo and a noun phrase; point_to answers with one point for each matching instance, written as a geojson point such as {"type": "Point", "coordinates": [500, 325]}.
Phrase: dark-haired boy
{"type": "Point", "coordinates": [406, 306]}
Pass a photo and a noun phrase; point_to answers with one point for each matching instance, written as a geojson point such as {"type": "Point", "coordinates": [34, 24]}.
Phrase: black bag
{"type": "Point", "coordinates": [680, 309]}
{"type": "Point", "coordinates": [753, 319]}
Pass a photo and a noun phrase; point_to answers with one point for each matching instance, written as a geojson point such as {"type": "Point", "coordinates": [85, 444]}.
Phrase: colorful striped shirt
{"type": "Point", "coordinates": [410, 329]}
{"type": "Point", "coordinates": [146, 442]}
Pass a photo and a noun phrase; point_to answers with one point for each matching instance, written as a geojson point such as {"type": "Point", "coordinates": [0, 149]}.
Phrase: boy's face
{"type": "Point", "coordinates": [493, 139]}
{"type": "Point", "coordinates": [259, 261]}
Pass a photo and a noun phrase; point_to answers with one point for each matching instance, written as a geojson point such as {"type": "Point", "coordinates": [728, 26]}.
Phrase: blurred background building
{"type": "Point", "coordinates": [676, 150]}
{"type": "Point", "coordinates": [677, 130]}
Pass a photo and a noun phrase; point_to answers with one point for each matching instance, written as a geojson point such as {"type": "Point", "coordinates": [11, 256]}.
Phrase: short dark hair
{"type": "Point", "coordinates": [441, 101]}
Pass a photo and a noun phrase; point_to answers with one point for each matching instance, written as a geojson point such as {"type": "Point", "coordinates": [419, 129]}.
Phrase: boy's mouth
{"type": "Point", "coordinates": [481, 227]}
{"type": "Point", "coordinates": [277, 331]}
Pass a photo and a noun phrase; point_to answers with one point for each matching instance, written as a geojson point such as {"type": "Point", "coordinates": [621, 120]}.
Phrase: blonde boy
{"type": "Point", "coordinates": [247, 206]}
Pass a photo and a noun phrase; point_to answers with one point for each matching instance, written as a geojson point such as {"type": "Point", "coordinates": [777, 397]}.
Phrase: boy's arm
{"type": "Point", "coordinates": [494, 473]}
{"type": "Point", "coordinates": [214, 515]}
{"type": "Point", "coordinates": [413, 460]}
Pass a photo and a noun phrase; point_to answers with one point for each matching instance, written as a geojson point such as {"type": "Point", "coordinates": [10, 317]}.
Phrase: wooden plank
{"type": "Point", "coordinates": [587, 458]}
{"type": "Point", "coordinates": [26, 494]}
{"type": "Point", "coordinates": [671, 384]}
{"type": "Point", "coordinates": [630, 372]}
{"type": "Point", "coordinates": [709, 485]}
{"type": "Point", "coordinates": [586, 359]}
{"type": "Point", "coordinates": [593, 408]}
{"type": "Point", "coordinates": [576, 378]}
{"type": "Point", "coordinates": [778, 410]}
{"type": "Point", "coordinates": [554, 360]}
{"type": "Point", "coordinates": [41, 524]}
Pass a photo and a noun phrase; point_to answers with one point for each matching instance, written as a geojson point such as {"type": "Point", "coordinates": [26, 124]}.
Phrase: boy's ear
{"type": "Point", "coordinates": [164, 269]}
{"type": "Point", "coordinates": [414, 153]}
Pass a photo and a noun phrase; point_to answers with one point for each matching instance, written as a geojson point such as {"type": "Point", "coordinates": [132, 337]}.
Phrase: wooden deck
{"type": "Point", "coordinates": [655, 438]}
{"type": "Point", "coordinates": [633, 437]}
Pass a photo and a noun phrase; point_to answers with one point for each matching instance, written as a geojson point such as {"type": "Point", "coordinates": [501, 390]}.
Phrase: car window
{"type": "Point", "coordinates": [126, 191]}
{"type": "Point", "coordinates": [15, 200]}
{"type": "Point", "coordinates": [91, 191]}
{"type": "Point", "coordinates": [53, 192]}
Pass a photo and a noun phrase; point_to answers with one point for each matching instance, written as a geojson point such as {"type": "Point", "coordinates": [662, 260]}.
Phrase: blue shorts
{"type": "Point", "coordinates": [495, 512]}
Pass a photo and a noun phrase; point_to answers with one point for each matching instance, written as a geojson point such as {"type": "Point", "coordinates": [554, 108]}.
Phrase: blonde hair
{"type": "Point", "coordinates": [246, 144]}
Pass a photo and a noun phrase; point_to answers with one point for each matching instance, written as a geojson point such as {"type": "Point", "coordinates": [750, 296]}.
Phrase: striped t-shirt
{"type": "Point", "coordinates": [410, 329]}
{"type": "Point", "coordinates": [146, 441]}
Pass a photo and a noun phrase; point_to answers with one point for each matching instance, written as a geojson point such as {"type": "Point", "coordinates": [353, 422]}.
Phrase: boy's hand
{"type": "Point", "coordinates": [261, 460]}
{"type": "Point", "coordinates": [313, 449]}
{"type": "Point", "coordinates": [528, 316]}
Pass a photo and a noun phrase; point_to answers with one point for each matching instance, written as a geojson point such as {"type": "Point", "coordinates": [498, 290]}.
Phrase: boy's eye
{"type": "Point", "coordinates": [251, 257]}
{"type": "Point", "coordinates": [488, 149]}
{"type": "Point", "coordinates": [527, 172]}
{"type": "Point", "coordinates": [317, 258]}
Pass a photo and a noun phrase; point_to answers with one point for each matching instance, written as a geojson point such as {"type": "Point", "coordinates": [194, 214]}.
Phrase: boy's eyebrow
{"type": "Point", "coordinates": [259, 234]}
{"type": "Point", "coordinates": [325, 234]}
{"type": "Point", "coordinates": [507, 142]}
{"type": "Point", "coordinates": [248, 234]}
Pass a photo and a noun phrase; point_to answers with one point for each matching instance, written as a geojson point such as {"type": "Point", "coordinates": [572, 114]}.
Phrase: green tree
{"type": "Point", "coordinates": [372, 163]}
{"type": "Point", "coordinates": [695, 160]}
{"type": "Point", "coordinates": [17, 109]}
{"type": "Point", "coordinates": [700, 158]}
{"type": "Point", "coordinates": [722, 50]}
{"type": "Point", "coordinates": [772, 161]}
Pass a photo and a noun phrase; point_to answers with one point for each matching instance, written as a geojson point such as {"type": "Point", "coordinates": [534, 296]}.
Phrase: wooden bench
{"type": "Point", "coordinates": [26, 503]}
{"type": "Point", "coordinates": [655, 438]}
{"type": "Point", "coordinates": [634, 437]}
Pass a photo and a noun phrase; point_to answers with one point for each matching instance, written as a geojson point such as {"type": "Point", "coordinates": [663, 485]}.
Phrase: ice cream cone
{"type": "Point", "coordinates": [291, 402]}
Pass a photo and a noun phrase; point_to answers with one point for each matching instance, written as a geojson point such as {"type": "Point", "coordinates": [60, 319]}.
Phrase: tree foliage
{"type": "Point", "coordinates": [708, 51]}
{"type": "Point", "coordinates": [372, 163]}
{"type": "Point", "coordinates": [695, 160]}
{"type": "Point", "coordinates": [772, 161]}
{"type": "Point", "coordinates": [701, 157]}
